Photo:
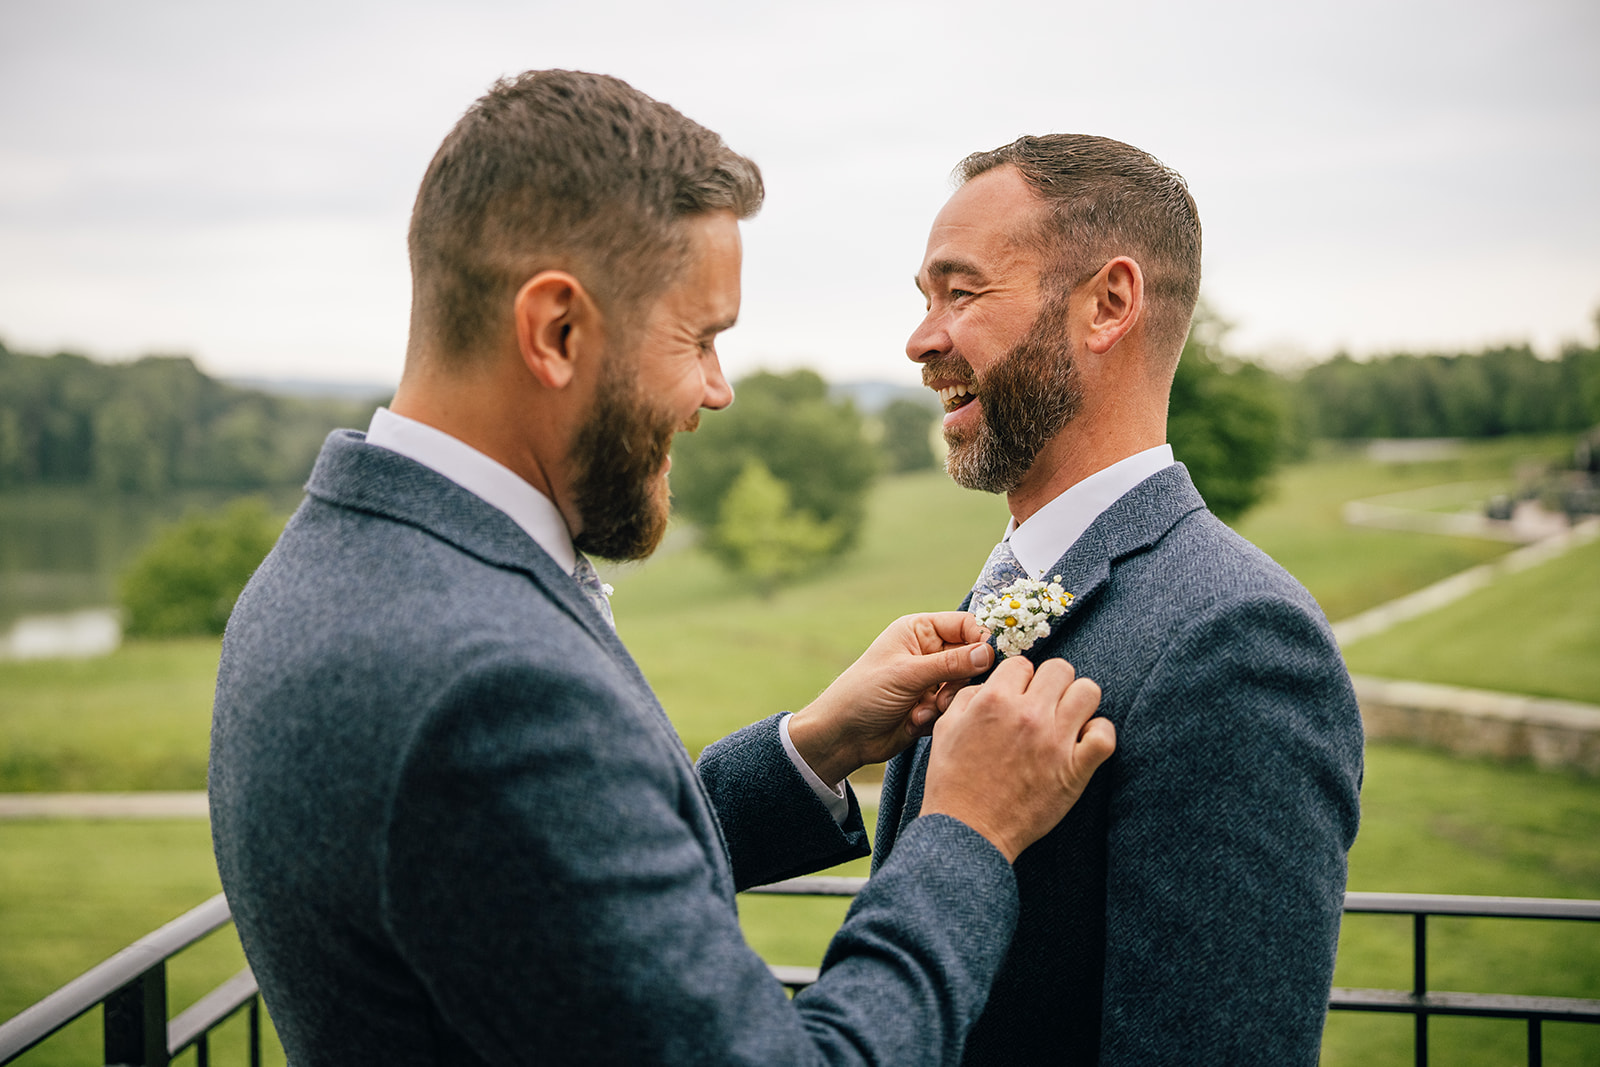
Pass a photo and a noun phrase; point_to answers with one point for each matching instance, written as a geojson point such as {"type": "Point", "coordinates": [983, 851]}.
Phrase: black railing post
{"type": "Point", "coordinates": [1535, 1044]}
{"type": "Point", "coordinates": [1419, 981]}
{"type": "Point", "coordinates": [255, 1031]}
{"type": "Point", "coordinates": [136, 1021]}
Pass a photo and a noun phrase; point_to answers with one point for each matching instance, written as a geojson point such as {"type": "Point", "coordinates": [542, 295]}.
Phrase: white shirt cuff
{"type": "Point", "coordinates": [833, 796]}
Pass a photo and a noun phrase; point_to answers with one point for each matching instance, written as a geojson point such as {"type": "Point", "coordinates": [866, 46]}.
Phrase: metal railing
{"type": "Point", "coordinates": [1418, 1002]}
{"type": "Point", "coordinates": [132, 985]}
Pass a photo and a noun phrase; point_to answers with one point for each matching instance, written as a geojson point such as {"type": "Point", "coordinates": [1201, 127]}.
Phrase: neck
{"type": "Point", "coordinates": [491, 413]}
{"type": "Point", "coordinates": [1090, 443]}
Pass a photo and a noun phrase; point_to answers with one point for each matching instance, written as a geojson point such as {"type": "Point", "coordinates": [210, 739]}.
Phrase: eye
{"type": "Point", "coordinates": [959, 294]}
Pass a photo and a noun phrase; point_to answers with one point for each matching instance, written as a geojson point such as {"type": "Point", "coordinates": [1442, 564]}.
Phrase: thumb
{"type": "Point", "coordinates": [952, 664]}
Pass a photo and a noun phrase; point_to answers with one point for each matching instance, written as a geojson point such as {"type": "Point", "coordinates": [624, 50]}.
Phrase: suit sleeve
{"type": "Point", "coordinates": [1232, 810]}
{"type": "Point", "coordinates": [546, 880]}
{"type": "Point", "coordinates": [774, 824]}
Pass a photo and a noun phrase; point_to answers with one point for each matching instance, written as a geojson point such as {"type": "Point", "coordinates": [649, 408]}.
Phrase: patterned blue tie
{"type": "Point", "coordinates": [588, 580]}
{"type": "Point", "coordinates": [1000, 571]}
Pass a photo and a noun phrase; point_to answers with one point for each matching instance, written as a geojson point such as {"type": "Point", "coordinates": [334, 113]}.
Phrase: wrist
{"type": "Point", "coordinates": [819, 740]}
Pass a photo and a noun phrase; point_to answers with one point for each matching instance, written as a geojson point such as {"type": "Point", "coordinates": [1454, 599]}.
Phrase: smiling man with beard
{"type": "Point", "coordinates": [453, 823]}
{"type": "Point", "coordinates": [1187, 910]}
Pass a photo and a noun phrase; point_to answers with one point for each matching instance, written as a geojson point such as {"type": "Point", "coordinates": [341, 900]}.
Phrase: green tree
{"type": "Point", "coordinates": [811, 444]}
{"type": "Point", "coordinates": [761, 536]}
{"type": "Point", "coordinates": [1225, 421]}
{"type": "Point", "coordinates": [907, 433]}
{"type": "Point", "coordinates": [158, 422]}
{"type": "Point", "coordinates": [186, 581]}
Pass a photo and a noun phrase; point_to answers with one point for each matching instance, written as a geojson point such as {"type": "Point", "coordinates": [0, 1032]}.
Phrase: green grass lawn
{"type": "Point", "coordinates": [1535, 632]}
{"type": "Point", "coordinates": [137, 719]}
{"type": "Point", "coordinates": [74, 892]}
{"type": "Point", "coordinates": [1350, 569]}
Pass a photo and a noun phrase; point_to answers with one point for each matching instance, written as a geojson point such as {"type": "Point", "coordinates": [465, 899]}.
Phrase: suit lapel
{"type": "Point", "coordinates": [1135, 523]}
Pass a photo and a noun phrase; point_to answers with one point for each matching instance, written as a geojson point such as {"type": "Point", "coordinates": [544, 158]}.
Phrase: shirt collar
{"type": "Point", "coordinates": [1056, 527]}
{"type": "Point", "coordinates": [492, 482]}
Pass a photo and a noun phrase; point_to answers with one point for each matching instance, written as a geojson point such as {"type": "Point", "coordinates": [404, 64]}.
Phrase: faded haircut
{"type": "Point", "coordinates": [1107, 199]}
{"type": "Point", "coordinates": [565, 170]}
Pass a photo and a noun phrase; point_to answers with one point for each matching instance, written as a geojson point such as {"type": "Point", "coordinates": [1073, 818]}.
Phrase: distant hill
{"type": "Point", "coordinates": [872, 397]}
{"type": "Point", "coordinates": [315, 390]}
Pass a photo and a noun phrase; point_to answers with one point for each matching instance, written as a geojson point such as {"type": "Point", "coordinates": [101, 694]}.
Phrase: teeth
{"type": "Point", "coordinates": [950, 392]}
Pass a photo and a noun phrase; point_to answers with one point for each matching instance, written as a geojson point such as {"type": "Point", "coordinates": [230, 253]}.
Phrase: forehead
{"type": "Point", "coordinates": [706, 293]}
{"type": "Point", "coordinates": [985, 229]}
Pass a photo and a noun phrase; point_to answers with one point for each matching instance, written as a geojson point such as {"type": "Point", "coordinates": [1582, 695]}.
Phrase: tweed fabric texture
{"type": "Point", "coordinates": [455, 826]}
{"type": "Point", "coordinates": [1187, 910]}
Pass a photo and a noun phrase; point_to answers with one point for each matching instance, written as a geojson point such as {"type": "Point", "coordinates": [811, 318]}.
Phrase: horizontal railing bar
{"type": "Point", "coordinates": [210, 1011]}
{"type": "Point", "coordinates": [1482, 1005]}
{"type": "Point", "coordinates": [820, 885]}
{"type": "Point", "coordinates": [1361, 903]}
{"type": "Point", "coordinates": [1479, 907]}
{"type": "Point", "coordinates": [796, 978]}
{"type": "Point", "coordinates": [87, 991]}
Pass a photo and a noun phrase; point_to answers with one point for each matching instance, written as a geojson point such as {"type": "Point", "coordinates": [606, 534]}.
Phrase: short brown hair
{"type": "Point", "coordinates": [560, 169]}
{"type": "Point", "coordinates": [1107, 199]}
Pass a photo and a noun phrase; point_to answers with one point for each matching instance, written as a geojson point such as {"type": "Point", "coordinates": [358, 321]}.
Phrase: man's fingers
{"type": "Point", "coordinates": [1078, 702]}
{"type": "Point", "coordinates": [1096, 742]}
{"type": "Point", "coordinates": [1053, 675]}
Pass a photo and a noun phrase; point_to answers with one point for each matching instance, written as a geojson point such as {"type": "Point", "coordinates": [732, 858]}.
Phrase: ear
{"type": "Point", "coordinates": [557, 322]}
{"type": "Point", "coordinates": [1116, 303]}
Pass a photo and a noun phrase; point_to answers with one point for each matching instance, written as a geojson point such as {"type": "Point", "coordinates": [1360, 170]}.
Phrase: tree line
{"type": "Point", "coordinates": [1507, 390]}
{"type": "Point", "coordinates": [153, 424]}
{"type": "Point", "coordinates": [777, 483]}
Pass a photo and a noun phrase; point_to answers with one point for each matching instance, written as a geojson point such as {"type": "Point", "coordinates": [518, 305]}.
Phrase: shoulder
{"type": "Point", "coordinates": [1202, 561]}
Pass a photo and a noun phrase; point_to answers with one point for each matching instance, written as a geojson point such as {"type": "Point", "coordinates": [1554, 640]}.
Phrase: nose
{"type": "Point", "coordinates": [929, 340]}
{"type": "Point", "coordinates": [718, 393]}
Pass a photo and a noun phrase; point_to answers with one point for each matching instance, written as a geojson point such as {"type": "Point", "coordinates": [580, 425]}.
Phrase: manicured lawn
{"type": "Point", "coordinates": [1535, 632]}
{"type": "Point", "coordinates": [72, 893]}
{"type": "Point", "coordinates": [1350, 569]}
{"type": "Point", "coordinates": [137, 719]}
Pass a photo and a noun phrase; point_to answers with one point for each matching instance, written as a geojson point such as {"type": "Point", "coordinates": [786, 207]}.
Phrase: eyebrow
{"type": "Point", "coordinates": [719, 327]}
{"type": "Point", "coordinates": [948, 268]}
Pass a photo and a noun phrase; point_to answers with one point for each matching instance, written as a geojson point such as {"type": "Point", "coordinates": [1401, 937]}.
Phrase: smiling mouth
{"type": "Point", "coordinates": [956, 396]}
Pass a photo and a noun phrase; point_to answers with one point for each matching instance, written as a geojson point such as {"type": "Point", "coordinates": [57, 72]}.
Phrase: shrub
{"type": "Point", "coordinates": [186, 581]}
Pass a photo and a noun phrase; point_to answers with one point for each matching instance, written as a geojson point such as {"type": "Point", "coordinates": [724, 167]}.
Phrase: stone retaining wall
{"type": "Point", "coordinates": [1471, 722]}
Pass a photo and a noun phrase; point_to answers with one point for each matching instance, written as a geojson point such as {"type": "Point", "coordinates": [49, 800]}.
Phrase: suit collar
{"type": "Point", "coordinates": [353, 474]}
{"type": "Point", "coordinates": [1133, 524]}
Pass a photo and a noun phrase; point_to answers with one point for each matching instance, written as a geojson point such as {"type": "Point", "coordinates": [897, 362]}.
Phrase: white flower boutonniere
{"type": "Point", "coordinates": [1022, 612]}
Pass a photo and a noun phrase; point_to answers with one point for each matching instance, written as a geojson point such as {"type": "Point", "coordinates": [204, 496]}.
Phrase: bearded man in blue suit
{"type": "Point", "coordinates": [453, 823]}
{"type": "Point", "coordinates": [1187, 910]}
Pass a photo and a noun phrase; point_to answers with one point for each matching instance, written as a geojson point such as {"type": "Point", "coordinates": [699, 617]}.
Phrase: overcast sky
{"type": "Point", "coordinates": [233, 181]}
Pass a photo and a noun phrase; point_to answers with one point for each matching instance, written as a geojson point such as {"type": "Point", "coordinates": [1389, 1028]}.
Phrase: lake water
{"type": "Point", "coordinates": [61, 552]}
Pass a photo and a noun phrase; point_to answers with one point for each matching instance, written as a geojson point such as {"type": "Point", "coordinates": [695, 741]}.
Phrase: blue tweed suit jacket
{"type": "Point", "coordinates": [455, 826]}
{"type": "Point", "coordinates": [1187, 910]}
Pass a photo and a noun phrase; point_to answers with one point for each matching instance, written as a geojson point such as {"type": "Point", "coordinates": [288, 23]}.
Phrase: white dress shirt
{"type": "Point", "coordinates": [499, 486]}
{"type": "Point", "coordinates": [1056, 527]}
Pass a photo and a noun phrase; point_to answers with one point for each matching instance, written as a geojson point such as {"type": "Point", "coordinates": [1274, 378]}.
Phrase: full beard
{"type": "Point", "coordinates": [619, 487]}
{"type": "Point", "coordinates": [1027, 398]}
